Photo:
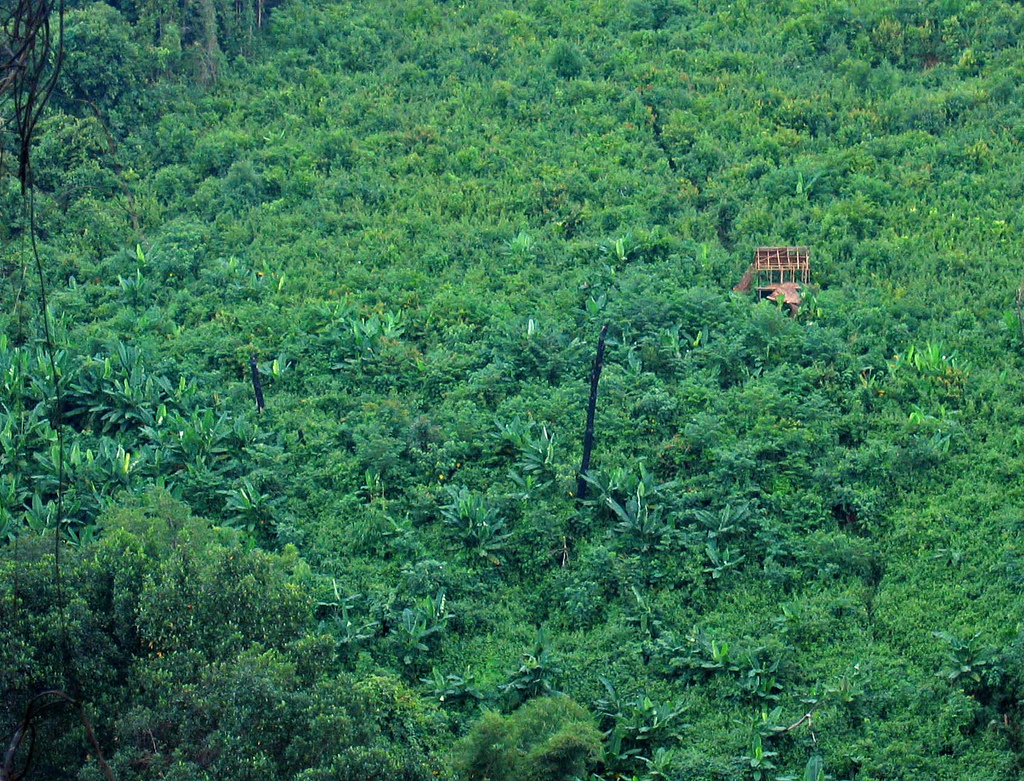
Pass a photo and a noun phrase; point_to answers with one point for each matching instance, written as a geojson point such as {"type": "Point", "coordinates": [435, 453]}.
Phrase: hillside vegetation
{"type": "Point", "coordinates": [801, 553]}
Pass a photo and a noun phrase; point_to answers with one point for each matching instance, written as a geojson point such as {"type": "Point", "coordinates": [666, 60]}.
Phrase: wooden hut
{"type": "Point", "coordinates": [778, 272]}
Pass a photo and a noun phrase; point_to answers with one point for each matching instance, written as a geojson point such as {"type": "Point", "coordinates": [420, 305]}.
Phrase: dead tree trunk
{"type": "Point", "coordinates": [588, 436]}
{"type": "Point", "coordinates": [257, 387]}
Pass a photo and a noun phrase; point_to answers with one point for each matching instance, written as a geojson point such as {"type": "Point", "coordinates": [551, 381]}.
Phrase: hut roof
{"type": "Point", "coordinates": [790, 292]}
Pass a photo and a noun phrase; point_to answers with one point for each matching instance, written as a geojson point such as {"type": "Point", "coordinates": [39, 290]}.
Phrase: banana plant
{"type": "Point", "coordinates": [935, 363]}
{"type": "Point", "coordinates": [535, 451]}
{"type": "Point", "coordinates": [13, 496]}
{"type": "Point", "coordinates": [248, 508]}
{"type": "Point", "coordinates": [757, 763]}
{"type": "Point", "coordinates": [337, 620]}
{"type": "Point", "coordinates": [814, 770]}
{"type": "Point", "coordinates": [392, 327]}
{"type": "Point", "coordinates": [42, 387]}
{"type": "Point", "coordinates": [538, 671]}
{"type": "Point", "coordinates": [21, 435]}
{"type": "Point", "coordinates": [107, 469]}
{"type": "Point", "coordinates": [82, 536]}
{"type": "Point", "coordinates": [134, 287]}
{"type": "Point", "coordinates": [660, 764]}
{"type": "Point", "coordinates": [513, 435]}
{"type": "Point", "coordinates": [521, 246]}
{"type": "Point", "coordinates": [722, 560]}
{"type": "Point", "coordinates": [14, 372]}
{"type": "Point", "coordinates": [620, 483]}
{"type": "Point", "coordinates": [675, 344]}
{"type": "Point", "coordinates": [635, 727]}
{"type": "Point", "coordinates": [427, 618]}
{"type": "Point", "coordinates": [476, 523]}
{"type": "Point", "coordinates": [644, 616]}
{"type": "Point", "coordinates": [642, 507]}
{"type": "Point", "coordinates": [367, 335]}
{"type": "Point", "coordinates": [646, 527]}
{"type": "Point", "coordinates": [703, 656]}
{"type": "Point", "coordinates": [40, 516]}
{"type": "Point", "coordinates": [115, 393]}
{"type": "Point", "coordinates": [622, 250]}
{"type": "Point", "coordinates": [452, 688]}
{"type": "Point", "coordinates": [727, 522]}
{"type": "Point", "coordinates": [537, 457]}
{"type": "Point", "coordinates": [968, 662]}
{"type": "Point", "coordinates": [760, 679]}
{"type": "Point", "coordinates": [198, 438]}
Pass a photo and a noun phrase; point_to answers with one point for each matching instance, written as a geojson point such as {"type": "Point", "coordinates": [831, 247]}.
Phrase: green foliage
{"type": "Point", "coordinates": [418, 624]}
{"type": "Point", "coordinates": [641, 506]}
{"type": "Point", "coordinates": [637, 728]}
{"type": "Point", "coordinates": [249, 509]}
{"type": "Point", "coordinates": [968, 664]}
{"type": "Point", "coordinates": [757, 763]}
{"type": "Point", "coordinates": [453, 688]}
{"type": "Point", "coordinates": [162, 598]}
{"type": "Point", "coordinates": [337, 620]}
{"type": "Point", "coordinates": [566, 61]}
{"type": "Point", "coordinates": [547, 738]}
{"type": "Point", "coordinates": [476, 523]}
{"type": "Point", "coordinates": [538, 674]}
{"type": "Point", "coordinates": [417, 217]}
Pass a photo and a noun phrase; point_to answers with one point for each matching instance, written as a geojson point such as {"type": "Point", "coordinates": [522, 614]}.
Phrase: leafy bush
{"type": "Point", "coordinates": [547, 738]}
{"type": "Point", "coordinates": [566, 60]}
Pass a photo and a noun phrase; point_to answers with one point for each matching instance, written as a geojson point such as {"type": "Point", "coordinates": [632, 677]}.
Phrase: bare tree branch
{"type": "Point", "coordinates": [31, 56]}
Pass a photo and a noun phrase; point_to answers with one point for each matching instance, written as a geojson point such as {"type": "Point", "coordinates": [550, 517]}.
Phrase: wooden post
{"type": "Point", "coordinates": [257, 388]}
{"type": "Point", "coordinates": [588, 436]}
{"type": "Point", "coordinates": [1020, 311]}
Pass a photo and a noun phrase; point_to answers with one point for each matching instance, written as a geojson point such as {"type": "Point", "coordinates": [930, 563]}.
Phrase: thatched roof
{"type": "Point", "coordinates": [790, 292]}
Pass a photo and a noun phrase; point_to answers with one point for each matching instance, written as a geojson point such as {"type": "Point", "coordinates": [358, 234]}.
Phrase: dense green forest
{"type": "Point", "coordinates": [801, 551]}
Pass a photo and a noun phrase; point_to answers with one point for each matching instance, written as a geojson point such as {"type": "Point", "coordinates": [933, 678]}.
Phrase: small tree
{"type": "Point", "coordinates": [566, 60]}
{"type": "Point", "coordinates": [548, 739]}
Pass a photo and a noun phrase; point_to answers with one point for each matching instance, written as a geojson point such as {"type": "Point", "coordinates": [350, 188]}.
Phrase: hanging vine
{"type": "Point", "coordinates": [31, 56]}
